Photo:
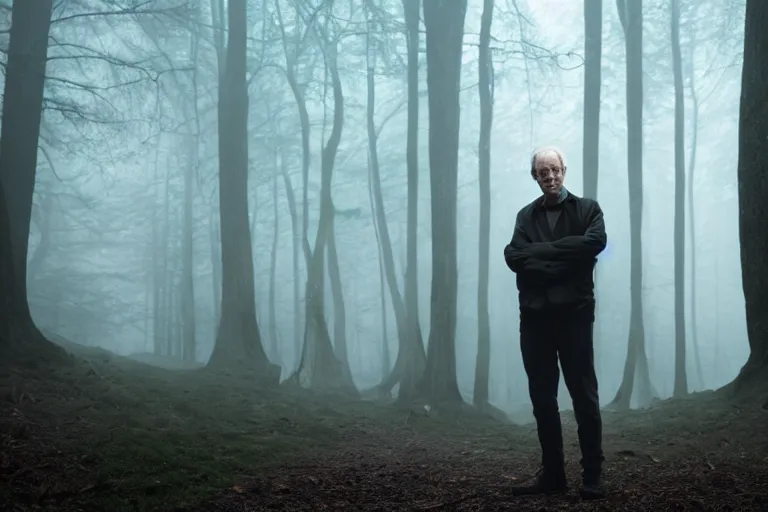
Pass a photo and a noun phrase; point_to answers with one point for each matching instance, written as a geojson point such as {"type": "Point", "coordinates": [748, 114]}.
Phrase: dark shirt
{"type": "Point", "coordinates": [554, 262]}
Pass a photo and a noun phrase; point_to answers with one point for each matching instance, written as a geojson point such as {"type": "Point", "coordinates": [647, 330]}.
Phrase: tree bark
{"type": "Point", "coordinates": [485, 66]}
{"type": "Point", "coordinates": [631, 16]}
{"type": "Point", "coordinates": [22, 112]}
{"type": "Point", "coordinates": [444, 22]}
{"type": "Point", "coordinates": [274, 343]}
{"type": "Point", "coordinates": [295, 250]}
{"type": "Point", "coordinates": [319, 367]}
{"type": "Point", "coordinates": [681, 376]}
{"type": "Point", "coordinates": [593, 52]}
{"type": "Point", "coordinates": [692, 209]}
{"type": "Point", "coordinates": [753, 188]}
{"type": "Point", "coordinates": [238, 341]}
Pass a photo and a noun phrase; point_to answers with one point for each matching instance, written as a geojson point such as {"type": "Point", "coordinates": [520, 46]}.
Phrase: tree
{"type": "Point", "coordinates": [753, 186]}
{"type": "Point", "coordinates": [19, 134]}
{"type": "Point", "coordinates": [320, 367]}
{"type": "Point", "coordinates": [415, 360]}
{"type": "Point", "coordinates": [485, 88]}
{"type": "Point", "coordinates": [411, 352]}
{"type": "Point", "coordinates": [694, 124]}
{"type": "Point", "coordinates": [681, 379]}
{"type": "Point", "coordinates": [444, 22]}
{"type": "Point", "coordinates": [238, 340]}
{"type": "Point", "coordinates": [10, 316]}
{"type": "Point", "coordinates": [631, 16]}
{"type": "Point", "coordinates": [593, 50]}
{"type": "Point", "coordinates": [22, 112]}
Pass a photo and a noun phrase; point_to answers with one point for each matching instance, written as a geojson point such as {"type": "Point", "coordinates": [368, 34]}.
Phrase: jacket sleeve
{"type": "Point", "coordinates": [514, 253]}
{"type": "Point", "coordinates": [576, 247]}
{"type": "Point", "coordinates": [519, 257]}
{"type": "Point", "coordinates": [544, 271]}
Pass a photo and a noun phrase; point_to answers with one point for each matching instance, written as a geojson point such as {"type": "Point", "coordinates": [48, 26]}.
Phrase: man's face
{"type": "Point", "coordinates": [549, 174]}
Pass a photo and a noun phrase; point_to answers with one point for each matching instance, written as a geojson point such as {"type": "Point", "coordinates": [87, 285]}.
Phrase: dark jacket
{"type": "Point", "coordinates": [555, 267]}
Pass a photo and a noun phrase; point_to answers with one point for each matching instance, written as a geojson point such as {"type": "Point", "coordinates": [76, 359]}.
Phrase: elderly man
{"type": "Point", "coordinates": [553, 252]}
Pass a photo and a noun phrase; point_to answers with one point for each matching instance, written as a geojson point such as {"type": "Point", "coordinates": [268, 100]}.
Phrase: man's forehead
{"type": "Point", "coordinates": [547, 159]}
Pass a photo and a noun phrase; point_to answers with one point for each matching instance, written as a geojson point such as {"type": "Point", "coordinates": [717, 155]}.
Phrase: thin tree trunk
{"type": "Point", "coordinates": [296, 230]}
{"type": "Point", "coordinates": [593, 50]}
{"type": "Point", "coordinates": [215, 243]}
{"type": "Point", "coordinates": [444, 23]}
{"type": "Point", "coordinates": [691, 220]}
{"type": "Point", "coordinates": [274, 342]}
{"type": "Point", "coordinates": [379, 215]}
{"type": "Point", "coordinates": [681, 375]}
{"type": "Point", "coordinates": [339, 309]}
{"type": "Point", "coordinates": [414, 360]}
{"type": "Point", "coordinates": [485, 66]}
{"type": "Point", "coordinates": [319, 367]}
{"type": "Point", "coordinates": [386, 363]}
{"type": "Point", "coordinates": [631, 16]}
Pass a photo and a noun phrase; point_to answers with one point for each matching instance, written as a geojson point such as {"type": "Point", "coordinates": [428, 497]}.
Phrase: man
{"type": "Point", "coordinates": [553, 252]}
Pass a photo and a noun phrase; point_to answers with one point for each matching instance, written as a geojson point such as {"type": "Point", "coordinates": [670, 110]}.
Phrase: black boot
{"type": "Point", "coordinates": [592, 486]}
{"type": "Point", "coordinates": [545, 482]}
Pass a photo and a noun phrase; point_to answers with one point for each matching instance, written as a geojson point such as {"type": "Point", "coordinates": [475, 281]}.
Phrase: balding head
{"type": "Point", "coordinates": [549, 152]}
{"type": "Point", "coordinates": [548, 169]}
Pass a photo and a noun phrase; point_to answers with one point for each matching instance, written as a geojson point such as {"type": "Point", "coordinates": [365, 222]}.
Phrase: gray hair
{"type": "Point", "coordinates": [546, 150]}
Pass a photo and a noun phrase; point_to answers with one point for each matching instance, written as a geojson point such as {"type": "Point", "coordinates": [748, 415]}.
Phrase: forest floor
{"type": "Point", "coordinates": [112, 434]}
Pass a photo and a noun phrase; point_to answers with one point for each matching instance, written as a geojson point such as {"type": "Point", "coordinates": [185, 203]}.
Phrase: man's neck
{"type": "Point", "coordinates": [551, 201]}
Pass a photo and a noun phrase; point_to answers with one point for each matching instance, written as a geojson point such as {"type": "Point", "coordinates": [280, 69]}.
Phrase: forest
{"type": "Point", "coordinates": [251, 250]}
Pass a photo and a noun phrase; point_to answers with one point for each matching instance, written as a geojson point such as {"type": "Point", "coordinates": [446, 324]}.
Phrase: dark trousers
{"type": "Point", "coordinates": [567, 334]}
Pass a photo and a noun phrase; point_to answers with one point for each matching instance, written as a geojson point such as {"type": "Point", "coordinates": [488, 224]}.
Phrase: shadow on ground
{"type": "Point", "coordinates": [108, 433]}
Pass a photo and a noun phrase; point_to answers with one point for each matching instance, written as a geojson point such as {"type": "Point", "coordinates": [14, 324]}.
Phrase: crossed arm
{"type": "Point", "coordinates": [552, 260]}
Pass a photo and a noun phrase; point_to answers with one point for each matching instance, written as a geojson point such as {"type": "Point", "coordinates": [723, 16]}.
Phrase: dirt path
{"type": "Point", "coordinates": [696, 456]}
{"type": "Point", "coordinates": [113, 435]}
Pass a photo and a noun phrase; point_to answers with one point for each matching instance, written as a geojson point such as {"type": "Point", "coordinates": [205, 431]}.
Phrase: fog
{"type": "Point", "coordinates": [130, 111]}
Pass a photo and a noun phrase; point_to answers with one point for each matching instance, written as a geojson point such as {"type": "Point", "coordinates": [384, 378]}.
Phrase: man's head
{"type": "Point", "coordinates": [548, 170]}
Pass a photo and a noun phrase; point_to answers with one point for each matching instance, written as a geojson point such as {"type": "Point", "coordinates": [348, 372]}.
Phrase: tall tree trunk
{"type": "Point", "coordinates": [20, 131]}
{"type": "Point", "coordinates": [339, 309]}
{"type": "Point", "coordinates": [301, 104]}
{"type": "Point", "coordinates": [165, 281]}
{"type": "Point", "coordinates": [187, 289]}
{"type": "Point", "coordinates": [444, 22]}
{"type": "Point", "coordinates": [238, 341]}
{"type": "Point", "coordinates": [631, 16]}
{"type": "Point", "coordinates": [691, 211]}
{"type": "Point", "coordinates": [380, 224]}
{"type": "Point", "coordinates": [11, 315]}
{"type": "Point", "coordinates": [319, 367]}
{"type": "Point", "coordinates": [273, 337]}
{"type": "Point", "coordinates": [214, 224]}
{"type": "Point", "coordinates": [386, 364]}
{"type": "Point", "coordinates": [681, 375]}
{"type": "Point", "coordinates": [753, 189]}
{"type": "Point", "coordinates": [416, 360]}
{"type": "Point", "coordinates": [485, 66]}
{"type": "Point", "coordinates": [296, 230]}
{"type": "Point", "coordinates": [593, 52]}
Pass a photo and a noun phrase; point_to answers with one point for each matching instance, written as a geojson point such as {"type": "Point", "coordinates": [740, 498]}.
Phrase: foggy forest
{"type": "Point", "coordinates": [251, 251]}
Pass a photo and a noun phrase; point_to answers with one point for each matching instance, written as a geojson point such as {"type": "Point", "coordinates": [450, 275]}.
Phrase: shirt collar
{"type": "Point", "coordinates": [564, 194]}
